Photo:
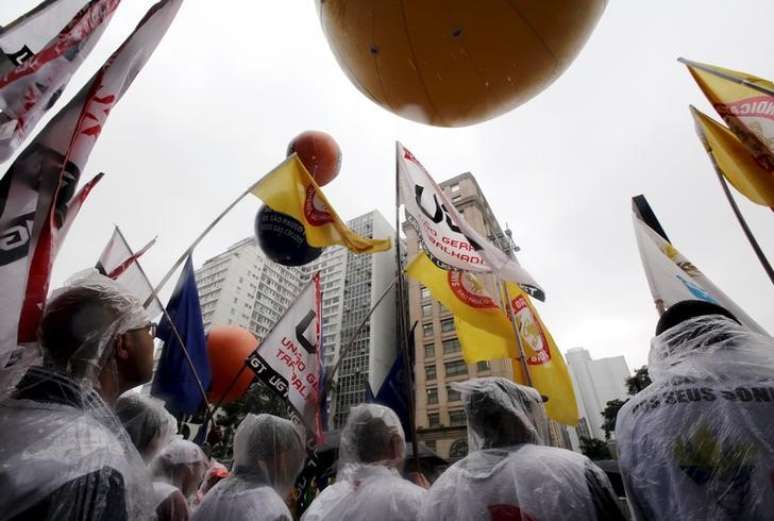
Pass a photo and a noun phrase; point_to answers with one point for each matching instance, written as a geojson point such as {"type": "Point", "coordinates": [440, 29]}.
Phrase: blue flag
{"type": "Point", "coordinates": [174, 382]}
{"type": "Point", "coordinates": [394, 390]}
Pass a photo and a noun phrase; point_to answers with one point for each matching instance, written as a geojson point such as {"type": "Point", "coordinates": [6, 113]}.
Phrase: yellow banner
{"type": "Point", "coordinates": [734, 161]}
{"type": "Point", "coordinates": [289, 189]}
{"type": "Point", "coordinates": [544, 360]}
{"type": "Point", "coordinates": [748, 111]}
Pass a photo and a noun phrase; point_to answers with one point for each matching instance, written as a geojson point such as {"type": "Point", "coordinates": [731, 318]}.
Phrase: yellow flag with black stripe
{"type": "Point", "coordinates": [289, 189]}
{"type": "Point", "coordinates": [746, 104]}
{"type": "Point", "coordinates": [545, 362]}
{"type": "Point", "coordinates": [476, 314]}
{"type": "Point", "coordinates": [733, 160]}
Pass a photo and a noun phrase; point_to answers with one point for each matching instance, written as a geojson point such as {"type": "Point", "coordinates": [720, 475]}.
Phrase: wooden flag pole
{"type": "Point", "coordinates": [155, 296]}
{"type": "Point", "coordinates": [727, 77]}
{"type": "Point", "coordinates": [743, 223]}
{"type": "Point", "coordinates": [402, 323]}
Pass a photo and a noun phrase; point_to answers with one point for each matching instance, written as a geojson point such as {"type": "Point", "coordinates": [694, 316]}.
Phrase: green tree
{"type": "Point", "coordinates": [594, 449]}
{"type": "Point", "coordinates": [610, 415]}
{"type": "Point", "coordinates": [258, 399]}
{"type": "Point", "coordinates": [639, 381]}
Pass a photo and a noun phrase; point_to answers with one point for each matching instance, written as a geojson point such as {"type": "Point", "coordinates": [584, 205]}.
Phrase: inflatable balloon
{"type": "Point", "coordinates": [227, 348]}
{"type": "Point", "coordinates": [282, 238]}
{"type": "Point", "coordinates": [319, 153]}
{"type": "Point", "coordinates": [453, 64]}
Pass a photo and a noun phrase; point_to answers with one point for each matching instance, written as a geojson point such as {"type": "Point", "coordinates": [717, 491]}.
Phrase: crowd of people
{"type": "Point", "coordinates": [697, 444]}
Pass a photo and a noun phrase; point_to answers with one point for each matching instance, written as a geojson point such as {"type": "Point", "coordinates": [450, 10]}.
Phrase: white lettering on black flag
{"type": "Point", "coordinates": [288, 359]}
{"type": "Point", "coordinates": [447, 238]}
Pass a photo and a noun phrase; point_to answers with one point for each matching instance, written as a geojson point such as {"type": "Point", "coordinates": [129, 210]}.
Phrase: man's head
{"type": "Point", "coordinates": [182, 464]}
{"type": "Point", "coordinates": [689, 309]}
{"type": "Point", "coordinates": [147, 422]}
{"type": "Point", "coordinates": [269, 450]}
{"type": "Point", "coordinates": [372, 435]}
{"type": "Point", "coordinates": [501, 413]}
{"type": "Point", "coordinates": [94, 330]}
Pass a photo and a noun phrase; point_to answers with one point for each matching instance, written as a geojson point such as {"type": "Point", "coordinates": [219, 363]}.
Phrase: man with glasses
{"type": "Point", "coordinates": [64, 454]}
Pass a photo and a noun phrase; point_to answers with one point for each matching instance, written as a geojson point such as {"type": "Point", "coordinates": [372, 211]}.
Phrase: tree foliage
{"type": "Point", "coordinates": [610, 415]}
{"type": "Point", "coordinates": [258, 399]}
{"type": "Point", "coordinates": [594, 449]}
{"type": "Point", "coordinates": [639, 381]}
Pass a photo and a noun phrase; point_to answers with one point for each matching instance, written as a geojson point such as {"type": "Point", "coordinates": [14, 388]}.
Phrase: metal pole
{"type": "Point", "coordinates": [155, 296]}
{"type": "Point", "coordinates": [748, 233]}
{"type": "Point", "coordinates": [748, 84]}
{"type": "Point", "coordinates": [517, 334]}
{"type": "Point", "coordinates": [402, 324]}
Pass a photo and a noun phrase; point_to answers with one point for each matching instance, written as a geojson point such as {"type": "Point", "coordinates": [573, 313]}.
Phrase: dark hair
{"type": "Point", "coordinates": [70, 321]}
{"type": "Point", "coordinates": [688, 309]}
{"type": "Point", "coordinates": [373, 440]}
{"type": "Point", "coordinates": [142, 424]}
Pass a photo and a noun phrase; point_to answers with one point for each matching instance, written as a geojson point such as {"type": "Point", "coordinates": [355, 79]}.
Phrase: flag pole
{"type": "Point", "coordinates": [402, 323]}
{"type": "Point", "coordinates": [727, 77]}
{"type": "Point", "coordinates": [517, 334]}
{"type": "Point", "coordinates": [743, 223]}
{"type": "Point", "coordinates": [155, 296]}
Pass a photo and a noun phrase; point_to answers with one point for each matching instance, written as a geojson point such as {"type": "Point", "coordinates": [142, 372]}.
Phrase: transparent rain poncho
{"type": "Point", "coordinates": [178, 469]}
{"type": "Point", "coordinates": [368, 483]}
{"type": "Point", "coordinates": [149, 425]}
{"type": "Point", "coordinates": [268, 457]}
{"type": "Point", "coordinates": [64, 454]}
{"type": "Point", "coordinates": [508, 473]}
{"type": "Point", "coordinates": [698, 443]}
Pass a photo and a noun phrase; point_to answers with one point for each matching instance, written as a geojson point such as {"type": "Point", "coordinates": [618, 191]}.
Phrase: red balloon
{"type": "Point", "coordinates": [228, 347]}
{"type": "Point", "coordinates": [319, 153]}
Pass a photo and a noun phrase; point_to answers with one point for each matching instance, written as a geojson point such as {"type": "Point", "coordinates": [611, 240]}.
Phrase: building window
{"type": "Point", "coordinates": [452, 395]}
{"type": "Point", "coordinates": [482, 366]}
{"type": "Point", "coordinates": [456, 368]}
{"type": "Point", "coordinates": [429, 350]}
{"type": "Point", "coordinates": [427, 310]}
{"type": "Point", "coordinates": [430, 444]}
{"type": "Point", "coordinates": [424, 292]}
{"type": "Point", "coordinates": [447, 325]}
{"type": "Point", "coordinates": [451, 346]}
{"type": "Point", "coordinates": [434, 419]}
{"type": "Point", "coordinates": [427, 329]}
{"type": "Point", "coordinates": [457, 417]}
{"type": "Point", "coordinates": [430, 372]}
{"type": "Point", "coordinates": [459, 449]}
{"type": "Point", "coordinates": [455, 187]}
{"type": "Point", "coordinates": [432, 395]}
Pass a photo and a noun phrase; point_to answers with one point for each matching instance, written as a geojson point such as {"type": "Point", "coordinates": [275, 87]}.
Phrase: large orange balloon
{"type": "Point", "coordinates": [319, 153]}
{"type": "Point", "coordinates": [459, 62]}
{"type": "Point", "coordinates": [228, 347]}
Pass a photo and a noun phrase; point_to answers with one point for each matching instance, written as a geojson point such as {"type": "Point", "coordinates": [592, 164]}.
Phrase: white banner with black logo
{"type": "Point", "coordinates": [289, 360]}
{"type": "Point", "coordinates": [450, 242]}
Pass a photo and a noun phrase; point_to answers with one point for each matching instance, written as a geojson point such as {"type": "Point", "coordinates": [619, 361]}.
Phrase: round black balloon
{"type": "Point", "coordinates": [282, 238]}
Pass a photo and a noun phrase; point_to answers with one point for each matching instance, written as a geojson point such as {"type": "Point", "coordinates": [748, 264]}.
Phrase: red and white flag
{"type": "Point", "coordinates": [36, 190]}
{"type": "Point", "coordinates": [30, 83]}
{"type": "Point", "coordinates": [289, 360]}
{"type": "Point", "coordinates": [450, 242]}
{"type": "Point", "coordinates": [121, 264]}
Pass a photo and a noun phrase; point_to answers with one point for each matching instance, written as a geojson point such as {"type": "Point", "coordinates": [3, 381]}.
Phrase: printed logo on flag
{"type": "Point", "coordinates": [531, 332]}
{"type": "Point", "coordinates": [315, 210]}
{"type": "Point", "coordinates": [469, 290]}
{"type": "Point", "coordinates": [15, 238]}
{"type": "Point", "coordinates": [757, 106]}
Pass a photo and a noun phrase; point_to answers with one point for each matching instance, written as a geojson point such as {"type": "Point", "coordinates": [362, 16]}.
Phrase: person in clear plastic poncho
{"type": "Point", "coordinates": [64, 454]}
{"type": "Point", "coordinates": [508, 473]}
{"type": "Point", "coordinates": [698, 443]}
{"type": "Point", "coordinates": [149, 425]}
{"type": "Point", "coordinates": [368, 483]}
{"type": "Point", "coordinates": [177, 471]}
{"type": "Point", "coordinates": [268, 457]}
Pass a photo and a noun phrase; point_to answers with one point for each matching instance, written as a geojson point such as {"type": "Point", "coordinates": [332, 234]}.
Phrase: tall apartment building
{"type": "Point", "coordinates": [440, 417]}
{"type": "Point", "coordinates": [595, 382]}
{"type": "Point", "coordinates": [351, 285]}
{"type": "Point", "coordinates": [242, 287]}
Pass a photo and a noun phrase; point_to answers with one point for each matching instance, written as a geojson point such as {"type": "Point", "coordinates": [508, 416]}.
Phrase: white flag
{"type": "Point", "coordinates": [122, 265]}
{"type": "Point", "coordinates": [673, 278]}
{"type": "Point", "coordinates": [448, 239]}
{"type": "Point", "coordinates": [36, 190]}
{"type": "Point", "coordinates": [31, 83]}
{"type": "Point", "coordinates": [288, 359]}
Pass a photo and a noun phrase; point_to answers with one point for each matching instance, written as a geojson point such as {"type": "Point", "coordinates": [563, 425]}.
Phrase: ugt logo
{"type": "Point", "coordinates": [301, 330]}
{"type": "Point", "coordinates": [439, 214]}
{"type": "Point", "coordinates": [15, 239]}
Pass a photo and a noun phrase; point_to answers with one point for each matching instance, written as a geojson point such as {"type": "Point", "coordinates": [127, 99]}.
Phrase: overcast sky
{"type": "Point", "coordinates": [233, 81]}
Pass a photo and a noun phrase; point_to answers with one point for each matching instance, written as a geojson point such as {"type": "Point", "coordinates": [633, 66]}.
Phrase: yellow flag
{"type": "Point", "coordinates": [464, 295]}
{"type": "Point", "coordinates": [746, 104]}
{"type": "Point", "coordinates": [289, 189]}
{"type": "Point", "coordinates": [734, 161]}
{"type": "Point", "coordinates": [480, 345]}
{"type": "Point", "coordinates": [544, 360]}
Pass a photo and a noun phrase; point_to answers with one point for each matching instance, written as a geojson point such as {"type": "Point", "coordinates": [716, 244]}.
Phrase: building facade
{"type": "Point", "coordinates": [440, 417]}
{"type": "Point", "coordinates": [596, 382]}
